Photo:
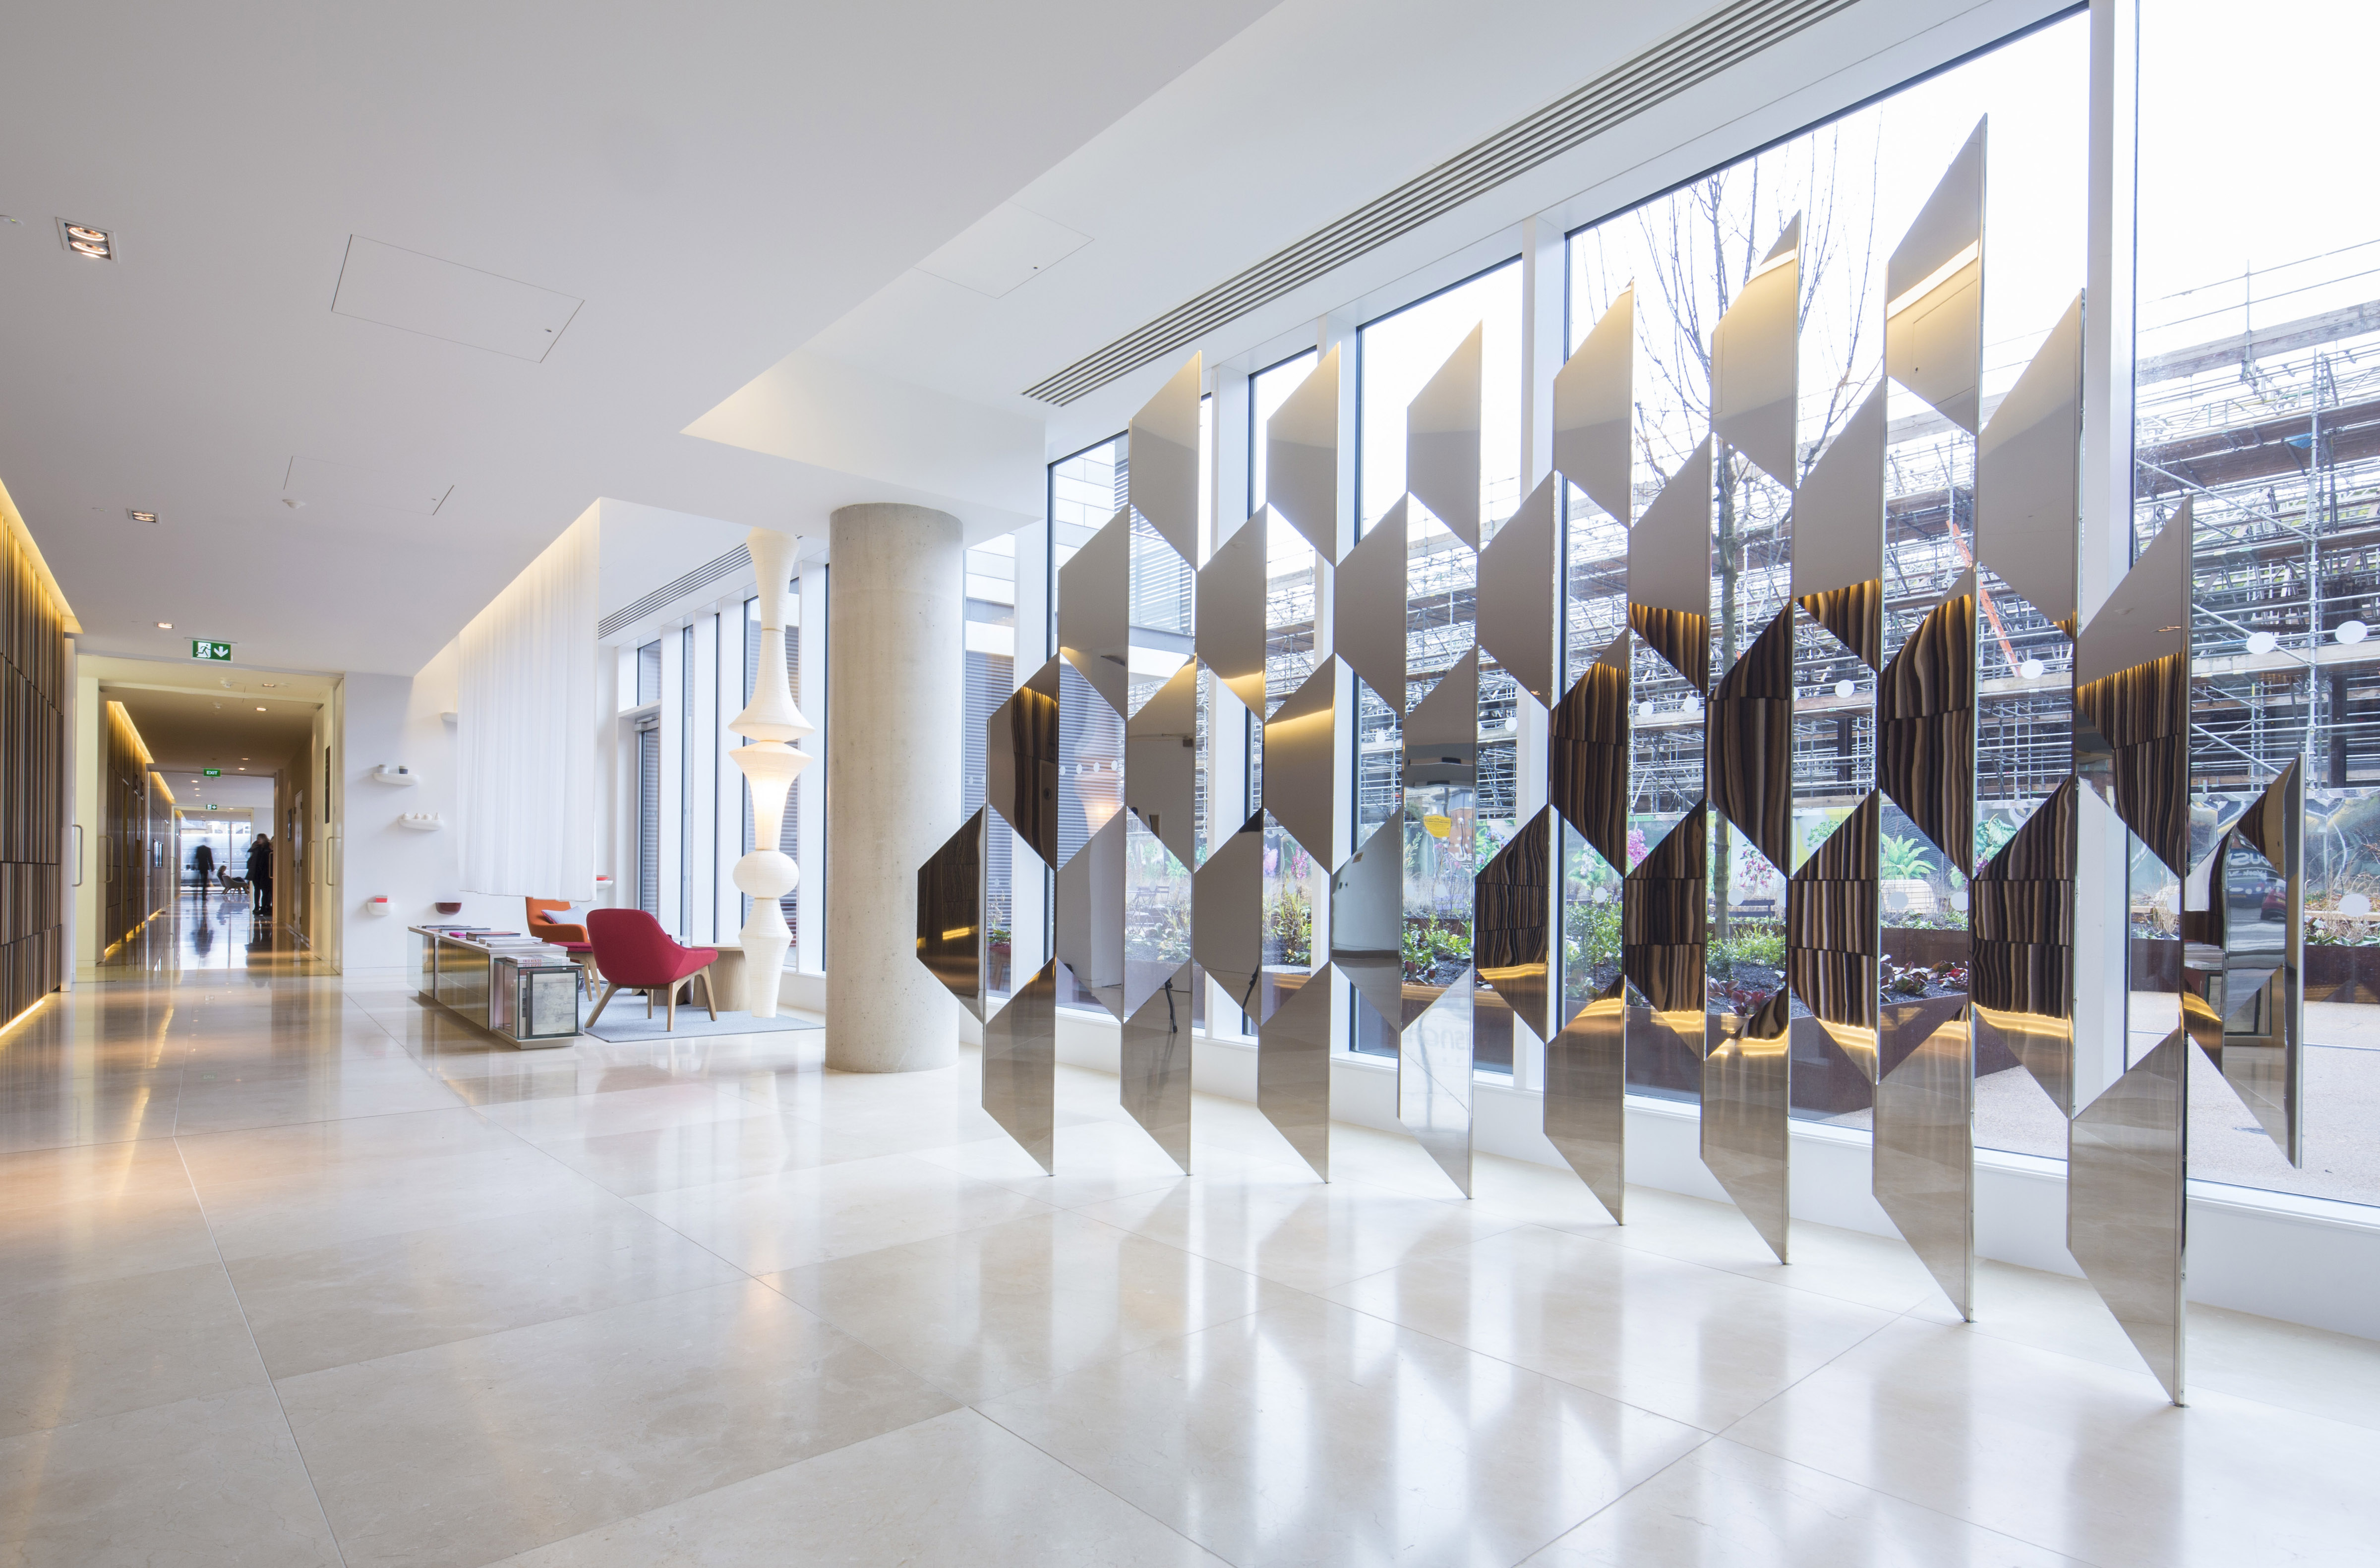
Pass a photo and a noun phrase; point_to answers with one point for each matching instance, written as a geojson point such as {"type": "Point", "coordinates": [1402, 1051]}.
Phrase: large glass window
{"type": "Point", "coordinates": [990, 675]}
{"type": "Point", "coordinates": [789, 838]}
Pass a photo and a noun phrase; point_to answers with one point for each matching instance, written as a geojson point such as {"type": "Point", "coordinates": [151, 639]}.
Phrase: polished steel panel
{"type": "Point", "coordinates": [1442, 427]}
{"type": "Point", "coordinates": [1293, 1071]}
{"type": "Point", "coordinates": [1157, 912]}
{"type": "Point", "coordinates": [1442, 732]}
{"type": "Point", "coordinates": [2131, 696]}
{"type": "Point", "coordinates": [1020, 762]}
{"type": "Point", "coordinates": [1933, 293]}
{"type": "Point", "coordinates": [1227, 914]}
{"type": "Point", "coordinates": [2022, 973]}
{"type": "Point", "coordinates": [951, 934]}
{"type": "Point", "coordinates": [1832, 941]}
{"type": "Point", "coordinates": [1585, 1097]}
{"type": "Point", "coordinates": [1162, 482]}
{"type": "Point", "coordinates": [1301, 760]}
{"type": "Point", "coordinates": [1094, 611]}
{"type": "Point", "coordinates": [1751, 741]}
{"type": "Point", "coordinates": [1090, 915]}
{"type": "Point", "coordinates": [1755, 362]}
{"type": "Point", "coordinates": [1367, 920]}
{"type": "Point", "coordinates": [1156, 1064]}
{"type": "Point", "coordinates": [1231, 629]}
{"type": "Point", "coordinates": [1746, 1112]}
{"type": "Point", "coordinates": [1925, 1175]}
{"type": "Point", "coordinates": [1511, 939]}
{"type": "Point", "coordinates": [1668, 570]}
{"type": "Point", "coordinates": [1664, 923]}
{"type": "Point", "coordinates": [1925, 724]}
{"type": "Point", "coordinates": [1160, 768]}
{"type": "Point", "coordinates": [2258, 1040]}
{"type": "Point", "coordinates": [2027, 476]}
{"type": "Point", "coordinates": [1368, 606]}
{"type": "Point", "coordinates": [1302, 458]}
{"type": "Point", "coordinates": [1588, 753]}
{"type": "Point", "coordinates": [1839, 534]}
{"type": "Point", "coordinates": [1434, 1065]}
{"type": "Point", "coordinates": [1519, 579]}
{"type": "Point", "coordinates": [2124, 1194]}
{"type": "Point", "coordinates": [1020, 1065]}
{"type": "Point", "coordinates": [1594, 405]}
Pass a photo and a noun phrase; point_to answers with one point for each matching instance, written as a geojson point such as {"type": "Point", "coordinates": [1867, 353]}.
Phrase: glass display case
{"type": "Point", "coordinates": [533, 1001]}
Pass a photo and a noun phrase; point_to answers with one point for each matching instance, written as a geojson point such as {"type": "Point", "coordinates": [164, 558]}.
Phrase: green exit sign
{"type": "Point", "coordinates": [214, 653]}
{"type": "Point", "coordinates": [211, 773]}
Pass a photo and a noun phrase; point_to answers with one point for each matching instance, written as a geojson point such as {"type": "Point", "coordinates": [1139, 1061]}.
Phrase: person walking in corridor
{"type": "Point", "coordinates": [259, 875]}
{"type": "Point", "coordinates": [202, 860]}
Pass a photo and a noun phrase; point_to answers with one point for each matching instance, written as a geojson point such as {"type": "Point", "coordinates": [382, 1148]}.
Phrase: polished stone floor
{"type": "Point", "coordinates": [294, 1272]}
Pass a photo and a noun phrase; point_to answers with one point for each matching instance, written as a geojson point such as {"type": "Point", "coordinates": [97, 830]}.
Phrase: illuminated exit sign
{"type": "Point", "coordinates": [213, 652]}
{"type": "Point", "coordinates": [211, 773]}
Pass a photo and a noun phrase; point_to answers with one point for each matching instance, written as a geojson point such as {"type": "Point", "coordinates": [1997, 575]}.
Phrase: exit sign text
{"type": "Point", "coordinates": [214, 653]}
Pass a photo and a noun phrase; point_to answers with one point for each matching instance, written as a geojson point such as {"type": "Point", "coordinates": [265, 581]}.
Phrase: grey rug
{"type": "Point", "coordinates": [624, 1021]}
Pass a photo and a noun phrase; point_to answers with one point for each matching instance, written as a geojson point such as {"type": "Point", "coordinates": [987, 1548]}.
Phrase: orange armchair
{"type": "Point", "coordinates": [545, 927]}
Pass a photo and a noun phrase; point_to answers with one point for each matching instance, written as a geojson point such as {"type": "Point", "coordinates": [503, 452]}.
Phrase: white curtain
{"type": "Point", "coordinates": [525, 715]}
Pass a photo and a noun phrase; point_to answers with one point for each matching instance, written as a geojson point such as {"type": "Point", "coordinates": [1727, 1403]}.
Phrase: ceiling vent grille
{"type": "Point", "coordinates": [710, 572]}
{"type": "Point", "coordinates": [1725, 38]}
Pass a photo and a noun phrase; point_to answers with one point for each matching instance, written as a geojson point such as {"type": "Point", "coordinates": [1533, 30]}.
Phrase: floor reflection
{"type": "Point", "coordinates": [206, 930]}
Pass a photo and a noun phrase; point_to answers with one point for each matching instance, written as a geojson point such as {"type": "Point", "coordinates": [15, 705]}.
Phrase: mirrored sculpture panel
{"type": "Point", "coordinates": [1090, 915]}
{"type": "Point", "coordinates": [1434, 1066]}
{"type": "Point", "coordinates": [2027, 476]}
{"type": "Point", "coordinates": [2124, 1195]}
{"type": "Point", "coordinates": [1926, 1156]}
{"type": "Point", "coordinates": [1443, 429]}
{"type": "Point", "coordinates": [1163, 483]}
{"type": "Point", "coordinates": [951, 936]}
{"type": "Point", "coordinates": [1746, 1112]}
{"type": "Point", "coordinates": [1160, 772]}
{"type": "Point", "coordinates": [1302, 458]}
{"type": "Point", "coordinates": [1020, 1065]}
{"type": "Point", "coordinates": [1231, 635]}
{"type": "Point", "coordinates": [1586, 1087]}
{"type": "Point", "coordinates": [1755, 362]}
{"type": "Point", "coordinates": [1368, 606]}
{"type": "Point", "coordinates": [1669, 571]}
{"type": "Point", "coordinates": [2131, 696]}
{"type": "Point", "coordinates": [1367, 920]}
{"type": "Point", "coordinates": [1293, 1070]}
{"type": "Point", "coordinates": [1519, 581]}
{"type": "Point", "coordinates": [1156, 1063]}
{"type": "Point", "coordinates": [1588, 747]}
{"type": "Point", "coordinates": [1301, 761]}
{"type": "Point", "coordinates": [1593, 410]}
{"type": "Point", "coordinates": [1227, 916]}
{"type": "Point", "coordinates": [1094, 611]}
{"type": "Point", "coordinates": [1839, 534]}
{"type": "Point", "coordinates": [2023, 978]}
{"type": "Point", "coordinates": [1934, 293]}
{"type": "Point", "coordinates": [1510, 942]}
{"type": "Point", "coordinates": [1021, 761]}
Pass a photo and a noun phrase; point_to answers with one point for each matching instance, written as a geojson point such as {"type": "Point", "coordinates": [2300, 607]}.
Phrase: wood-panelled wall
{"type": "Point", "coordinates": [34, 670]}
{"type": "Point", "coordinates": [133, 843]}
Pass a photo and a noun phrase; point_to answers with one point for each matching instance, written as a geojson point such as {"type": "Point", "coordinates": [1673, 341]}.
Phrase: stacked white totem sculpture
{"type": "Point", "coordinates": [771, 764]}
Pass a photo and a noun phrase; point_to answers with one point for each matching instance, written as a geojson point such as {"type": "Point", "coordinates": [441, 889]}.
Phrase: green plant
{"type": "Point", "coordinates": [1289, 929]}
{"type": "Point", "coordinates": [1905, 858]}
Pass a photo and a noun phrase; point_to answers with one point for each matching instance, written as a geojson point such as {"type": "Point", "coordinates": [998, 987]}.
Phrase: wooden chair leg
{"type": "Point", "coordinates": [671, 1028]}
{"type": "Point", "coordinates": [703, 975]}
{"type": "Point", "coordinates": [608, 991]}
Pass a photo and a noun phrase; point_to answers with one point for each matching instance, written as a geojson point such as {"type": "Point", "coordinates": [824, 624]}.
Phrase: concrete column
{"type": "Point", "coordinates": [896, 644]}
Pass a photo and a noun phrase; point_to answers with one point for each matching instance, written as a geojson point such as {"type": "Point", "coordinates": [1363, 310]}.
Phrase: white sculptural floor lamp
{"type": "Point", "coordinates": [770, 763]}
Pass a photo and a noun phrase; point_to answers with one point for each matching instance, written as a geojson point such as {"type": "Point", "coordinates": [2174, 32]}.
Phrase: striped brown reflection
{"type": "Point", "coordinates": [2023, 916]}
{"type": "Point", "coordinates": [1590, 754]}
{"type": "Point", "coordinates": [2141, 750]}
{"type": "Point", "coordinates": [1513, 894]}
{"type": "Point", "coordinates": [1750, 776]}
{"type": "Point", "coordinates": [1855, 616]}
{"type": "Point", "coordinates": [1925, 725]}
{"type": "Point", "coordinates": [1021, 761]}
{"type": "Point", "coordinates": [1831, 938]}
{"type": "Point", "coordinates": [1664, 917]}
{"type": "Point", "coordinates": [950, 913]}
{"type": "Point", "coordinates": [1678, 636]}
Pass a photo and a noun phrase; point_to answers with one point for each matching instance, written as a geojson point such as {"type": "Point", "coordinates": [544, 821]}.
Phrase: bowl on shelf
{"type": "Point", "coordinates": [456, 907]}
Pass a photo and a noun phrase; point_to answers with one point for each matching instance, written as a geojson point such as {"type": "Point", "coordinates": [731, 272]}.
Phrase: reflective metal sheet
{"type": "Point", "coordinates": [2027, 476]}
{"type": "Point", "coordinates": [1293, 1071]}
{"type": "Point", "coordinates": [1156, 1064]}
{"type": "Point", "coordinates": [1021, 761]}
{"type": "Point", "coordinates": [1839, 534]}
{"type": "Point", "coordinates": [1594, 396]}
{"type": "Point", "coordinates": [1227, 914]}
{"type": "Point", "coordinates": [2021, 975]}
{"type": "Point", "coordinates": [1926, 1157]}
{"type": "Point", "coordinates": [1160, 770]}
{"type": "Point", "coordinates": [1511, 939]}
{"type": "Point", "coordinates": [1302, 458]}
{"type": "Point", "coordinates": [1925, 724]}
{"type": "Point", "coordinates": [1664, 923]}
{"type": "Point", "coordinates": [2131, 696]}
{"type": "Point", "coordinates": [1933, 293]}
{"type": "Point", "coordinates": [1157, 912]}
{"type": "Point", "coordinates": [1832, 942]}
{"type": "Point", "coordinates": [1367, 607]}
{"type": "Point", "coordinates": [1668, 570]}
{"type": "Point", "coordinates": [951, 939]}
{"type": "Point", "coordinates": [1162, 483]}
{"type": "Point", "coordinates": [1090, 915]}
{"type": "Point", "coordinates": [1094, 609]}
{"type": "Point", "coordinates": [1746, 1112]}
{"type": "Point", "coordinates": [1434, 1062]}
{"type": "Point", "coordinates": [1231, 632]}
{"type": "Point", "coordinates": [1020, 1065]}
{"type": "Point", "coordinates": [1751, 730]}
{"type": "Point", "coordinates": [1301, 762]}
{"type": "Point", "coordinates": [1442, 731]}
{"type": "Point", "coordinates": [1367, 919]}
{"type": "Point", "coordinates": [1588, 753]}
{"type": "Point", "coordinates": [2124, 1171]}
{"type": "Point", "coordinates": [1442, 426]}
{"type": "Point", "coordinates": [1586, 1098]}
{"type": "Point", "coordinates": [1755, 362]}
{"type": "Point", "coordinates": [2257, 1040]}
{"type": "Point", "coordinates": [1519, 581]}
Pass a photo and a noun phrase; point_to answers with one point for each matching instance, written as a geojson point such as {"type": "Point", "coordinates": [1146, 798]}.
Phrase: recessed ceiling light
{"type": "Point", "coordinates": [85, 240]}
{"type": "Point", "coordinates": [268, 685]}
{"type": "Point", "coordinates": [164, 626]}
{"type": "Point", "coordinates": [260, 707]}
{"type": "Point", "coordinates": [142, 516]}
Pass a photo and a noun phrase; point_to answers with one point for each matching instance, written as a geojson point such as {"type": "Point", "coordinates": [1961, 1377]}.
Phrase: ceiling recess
{"type": "Point", "coordinates": [1725, 38]}
{"type": "Point", "coordinates": [417, 293]}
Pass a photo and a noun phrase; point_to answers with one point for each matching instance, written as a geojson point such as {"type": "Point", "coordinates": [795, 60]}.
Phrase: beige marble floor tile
{"type": "Point", "coordinates": [1879, 1271]}
{"type": "Point", "coordinates": [1726, 1506]}
{"type": "Point", "coordinates": [694, 1154]}
{"type": "Point", "coordinates": [1310, 1433]}
{"type": "Point", "coordinates": [2077, 1457]}
{"type": "Point", "coordinates": [381, 1296]}
{"type": "Point", "coordinates": [234, 1105]}
{"type": "Point", "coordinates": [2287, 1365]}
{"type": "Point", "coordinates": [63, 1117]}
{"type": "Point", "coordinates": [466, 1453]}
{"type": "Point", "coordinates": [988, 1311]}
{"type": "Point", "coordinates": [71, 1353]}
{"type": "Point", "coordinates": [355, 1199]}
{"type": "Point", "coordinates": [1696, 1344]}
{"type": "Point", "coordinates": [593, 1111]}
{"type": "Point", "coordinates": [811, 1216]}
{"type": "Point", "coordinates": [1096, 1161]}
{"type": "Point", "coordinates": [1292, 1228]}
{"type": "Point", "coordinates": [1528, 1193]}
{"type": "Point", "coordinates": [204, 1482]}
{"type": "Point", "coordinates": [994, 1502]}
{"type": "Point", "coordinates": [307, 1151]}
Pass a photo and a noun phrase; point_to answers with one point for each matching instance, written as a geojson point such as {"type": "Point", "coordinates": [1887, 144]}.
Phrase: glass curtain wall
{"type": "Point", "coordinates": [789, 838]}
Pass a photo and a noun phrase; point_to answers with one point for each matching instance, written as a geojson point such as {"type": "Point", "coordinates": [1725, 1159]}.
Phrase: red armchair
{"type": "Point", "coordinates": [633, 953]}
{"type": "Point", "coordinates": [545, 927]}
